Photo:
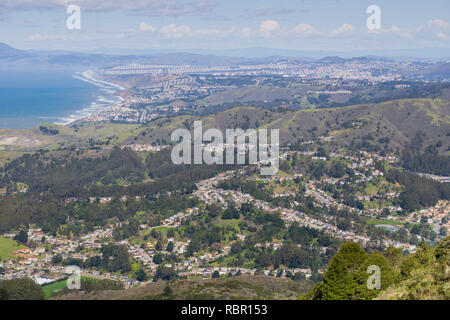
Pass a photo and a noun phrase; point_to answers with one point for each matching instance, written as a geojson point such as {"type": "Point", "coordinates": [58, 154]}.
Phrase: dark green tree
{"type": "Point", "coordinates": [22, 236]}
{"type": "Point", "coordinates": [22, 289]}
{"type": "Point", "coordinates": [141, 275]}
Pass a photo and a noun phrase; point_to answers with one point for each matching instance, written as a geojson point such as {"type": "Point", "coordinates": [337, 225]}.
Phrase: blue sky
{"type": "Point", "coordinates": [338, 25]}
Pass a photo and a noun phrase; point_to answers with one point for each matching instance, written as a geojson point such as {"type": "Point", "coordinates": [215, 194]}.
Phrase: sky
{"type": "Point", "coordinates": [337, 25]}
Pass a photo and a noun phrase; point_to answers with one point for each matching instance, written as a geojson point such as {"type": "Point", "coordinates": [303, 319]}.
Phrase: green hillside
{"type": "Point", "coordinates": [8, 247]}
{"type": "Point", "coordinates": [424, 275]}
{"type": "Point", "coordinates": [390, 125]}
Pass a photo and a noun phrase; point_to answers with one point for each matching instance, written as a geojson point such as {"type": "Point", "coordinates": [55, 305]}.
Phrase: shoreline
{"type": "Point", "coordinates": [105, 100]}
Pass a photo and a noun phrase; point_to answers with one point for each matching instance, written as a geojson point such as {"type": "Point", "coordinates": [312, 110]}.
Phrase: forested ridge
{"type": "Point", "coordinates": [425, 160]}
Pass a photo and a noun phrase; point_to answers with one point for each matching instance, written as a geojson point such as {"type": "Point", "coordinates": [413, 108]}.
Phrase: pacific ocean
{"type": "Point", "coordinates": [28, 98]}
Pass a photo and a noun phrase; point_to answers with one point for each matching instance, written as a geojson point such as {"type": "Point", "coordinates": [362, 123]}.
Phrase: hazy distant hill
{"type": "Point", "coordinates": [8, 52]}
{"type": "Point", "coordinates": [11, 57]}
{"type": "Point", "coordinates": [262, 52]}
{"type": "Point", "coordinates": [440, 72]}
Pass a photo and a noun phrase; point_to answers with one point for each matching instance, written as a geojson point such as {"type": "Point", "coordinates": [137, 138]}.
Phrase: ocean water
{"type": "Point", "coordinates": [29, 98]}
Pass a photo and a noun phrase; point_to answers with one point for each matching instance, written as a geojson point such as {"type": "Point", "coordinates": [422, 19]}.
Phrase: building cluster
{"type": "Point", "coordinates": [37, 261]}
{"type": "Point", "coordinates": [350, 70]}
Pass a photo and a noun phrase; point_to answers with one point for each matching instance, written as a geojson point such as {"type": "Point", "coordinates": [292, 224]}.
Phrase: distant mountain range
{"type": "Point", "coordinates": [7, 51]}
{"type": "Point", "coordinates": [11, 57]}
{"type": "Point", "coordinates": [261, 52]}
{"type": "Point", "coordinates": [15, 58]}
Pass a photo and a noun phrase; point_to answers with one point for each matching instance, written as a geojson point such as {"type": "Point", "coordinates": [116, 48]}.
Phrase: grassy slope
{"type": "Point", "coordinates": [52, 287]}
{"type": "Point", "coordinates": [58, 285]}
{"type": "Point", "coordinates": [7, 247]}
{"type": "Point", "coordinates": [429, 278]}
{"type": "Point", "coordinates": [31, 140]}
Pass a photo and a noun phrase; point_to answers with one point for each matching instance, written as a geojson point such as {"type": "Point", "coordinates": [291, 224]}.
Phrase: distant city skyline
{"type": "Point", "coordinates": [325, 25]}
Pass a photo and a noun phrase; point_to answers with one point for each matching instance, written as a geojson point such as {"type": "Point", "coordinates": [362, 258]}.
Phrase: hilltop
{"type": "Point", "coordinates": [389, 125]}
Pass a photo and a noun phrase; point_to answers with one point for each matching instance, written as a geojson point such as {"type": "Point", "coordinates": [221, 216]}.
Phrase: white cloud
{"type": "Point", "coordinates": [345, 29]}
{"type": "Point", "coordinates": [210, 32]}
{"type": "Point", "coordinates": [305, 30]}
{"type": "Point", "coordinates": [145, 27]}
{"type": "Point", "coordinates": [172, 31]}
{"type": "Point", "coordinates": [246, 32]}
{"type": "Point", "coordinates": [442, 35]}
{"type": "Point", "coordinates": [432, 29]}
{"type": "Point", "coordinates": [435, 24]}
{"type": "Point", "coordinates": [218, 33]}
{"type": "Point", "coordinates": [269, 28]}
{"type": "Point", "coordinates": [272, 29]}
{"type": "Point", "coordinates": [435, 28]}
{"type": "Point", "coordinates": [394, 30]}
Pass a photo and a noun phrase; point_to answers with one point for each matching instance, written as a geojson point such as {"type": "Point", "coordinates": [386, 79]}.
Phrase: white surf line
{"type": "Point", "coordinates": [108, 87]}
{"type": "Point", "coordinates": [100, 104]}
{"type": "Point", "coordinates": [89, 75]}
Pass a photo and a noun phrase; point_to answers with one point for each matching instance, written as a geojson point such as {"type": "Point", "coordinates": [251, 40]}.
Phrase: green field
{"type": "Point", "coordinates": [385, 221]}
{"type": "Point", "coordinates": [55, 286]}
{"type": "Point", "coordinates": [58, 285]}
{"type": "Point", "coordinates": [234, 223]}
{"type": "Point", "coordinates": [7, 247]}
